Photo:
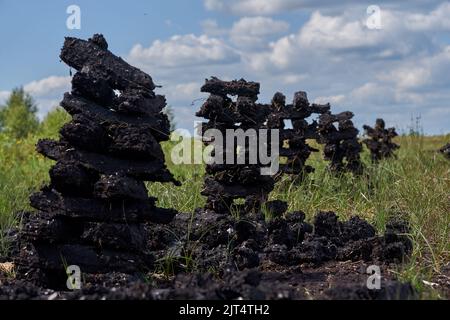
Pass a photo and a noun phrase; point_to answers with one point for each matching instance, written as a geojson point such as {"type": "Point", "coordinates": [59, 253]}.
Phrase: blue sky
{"type": "Point", "coordinates": [323, 47]}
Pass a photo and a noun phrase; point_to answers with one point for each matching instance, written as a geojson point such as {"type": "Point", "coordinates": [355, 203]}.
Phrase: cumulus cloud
{"type": "Point", "coordinates": [438, 19]}
{"type": "Point", "coordinates": [185, 117]}
{"type": "Point", "coordinates": [48, 86]}
{"type": "Point", "coordinates": [252, 32]}
{"type": "Point", "coordinates": [184, 51]}
{"type": "Point", "coordinates": [400, 71]}
{"type": "Point", "coordinates": [270, 7]}
{"type": "Point", "coordinates": [211, 28]}
{"type": "Point", "coordinates": [430, 72]}
{"type": "Point", "coordinates": [367, 91]}
{"type": "Point", "coordinates": [255, 7]}
{"type": "Point", "coordinates": [45, 105]}
{"type": "Point", "coordinates": [293, 78]}
{"type": "Point", "coordinates": [247, 32]}
{"type": "Point", "coordinates": [3, 96]}
{"type": "Point", "coordinates": [330, 99]}
{"type": "Point", "coordinates": [182, 92]}
{"type": "Point", "coordinates": [408, 78]}
{"type": "Point", "coordinates": [46, 92]}
{"type": "Point", "coordinates": [412, 88]}
{"type": "Point", "coordinates": [336, 33]}
{"type": "Point", "coordinates": [345, 37]}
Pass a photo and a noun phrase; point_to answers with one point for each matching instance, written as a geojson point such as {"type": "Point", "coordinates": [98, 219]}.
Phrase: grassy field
{"type": "Point", "coordinates": [415, 186]}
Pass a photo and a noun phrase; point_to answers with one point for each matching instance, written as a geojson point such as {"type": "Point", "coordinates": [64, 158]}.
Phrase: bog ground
{"type": "Point", "coordinates": [415, 186]}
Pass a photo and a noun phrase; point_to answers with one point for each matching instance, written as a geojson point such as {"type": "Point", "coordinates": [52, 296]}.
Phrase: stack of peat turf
{"type": "Point", "coordinates": [293, 146]}
{"type": "Point", "coordinates": [342, 147]}
{"type": "Point", "coordinates": [225, 182]}
{"type": "Point", "coordinates": [380, 141]}
{"type": "Point", "coordinates": [92, 213]}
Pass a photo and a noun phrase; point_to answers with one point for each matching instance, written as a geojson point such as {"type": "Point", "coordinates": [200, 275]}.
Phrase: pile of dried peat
{"type": "Point", "coordinates": [342, 147]}
{"type": "Point", "coordinates": [380, 141]}
{"type": "Point", "coordinates": [293, 146]}
{"type": "Point", "coordinates": [92, 213]}
{"type": "Point", "coordinates": [228, 180]}
{"type": "Point", "coordinates": [286, 258]}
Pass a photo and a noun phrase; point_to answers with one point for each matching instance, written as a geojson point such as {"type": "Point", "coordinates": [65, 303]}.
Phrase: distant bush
{"type": "Point", "coordinates": [51, 124]}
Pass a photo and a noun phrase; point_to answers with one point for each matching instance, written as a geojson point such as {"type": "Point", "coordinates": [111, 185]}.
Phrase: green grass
{"type": "Point", "coordinates": [415, 186]}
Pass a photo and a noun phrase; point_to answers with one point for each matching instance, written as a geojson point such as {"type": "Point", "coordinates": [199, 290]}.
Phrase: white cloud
{"type": "Point", "coordinates": [341, 38]}
{"type": "Point", "coordinates": [184, 51]}
{"type": "Point", "coordinates": [368, 90]}
{"type": "Point", "coordinates": [4, 96]}
{"type": "Point", "coordinates": [270, 7]}
{"type": "Point", "coordinates": [47, 86]}
{"type": "Point", "coordinates": [373, 97]}
{"type": "Point", "coordinates": [338, 39]}
{"type": "Point", "coordinates": [188, 89]}
{"type": "Point", "coordinates": [46, 92]}
{"type": "Point", "coordinates": [211, 28]}
{"type": "Point", "coordinates": [294, 78]}
{"type": "Point", "coordinates": [181, 92]}
{"type": "Point", "coordinates": [255, 7]}
{"type": "Point", "coordinates": [216, 5]}
{"type": "Point", "coordinates": [400, 71]}
{"type": "Point", "coordinates": [413, 88]}
{"type": "Point", "coordinates": [185, 117]}
{"type": "Point", "coordinates": [45, 105]}
{"type": "Point", "coordinates": [252, 32]}
{"type": "Point", "coordinates": [331, 99]}
{"type": "Point", "coordinates": [438, 19]}
{"type": "Point", "coordinates": [337, 32]}
{"type": "Point", "coordinates": [427, 72]}
{"type": "Point", "coordinates": [396, 73]}
{"type": "Point", "coordinates": [408, 78]}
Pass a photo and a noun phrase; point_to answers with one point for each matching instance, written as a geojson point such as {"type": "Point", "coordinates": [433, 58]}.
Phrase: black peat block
{"type": "Point", "coordinates": [287, 240]}
{"type": "Point", "coordinates": [92, 212]}
{"type": "Point", "coordinates": [341, 145]}
{"type": "Point", "coordinates": [379, 141]}
{"type": "Point", "coordinates": [293, 146]}
{"type": "Point", "coordinates": [226, 182]}
{"type": "Point", "coordinates": [445, 150]}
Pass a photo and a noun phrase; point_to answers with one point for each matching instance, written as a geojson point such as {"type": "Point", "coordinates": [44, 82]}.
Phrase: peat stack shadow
{"type": "Point", "coordinates": [225, 182]}
{"type": "Point", "coordinates": [293, 146]}
{"type": "Point", "coordinates": [380, 142]}
{"type": "Point", "coordinates": [92, 213]}
{"type": "Point", "coordinates": [342, 147]}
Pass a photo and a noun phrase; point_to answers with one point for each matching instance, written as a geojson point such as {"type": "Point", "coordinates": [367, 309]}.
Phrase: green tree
{"type": "Point", "coordinates": [18, 115]}
{"type": "Point", "coordinates": [52, 122]}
